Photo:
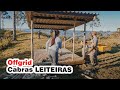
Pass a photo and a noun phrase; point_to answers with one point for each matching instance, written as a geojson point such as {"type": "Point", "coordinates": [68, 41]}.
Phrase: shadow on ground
{"type": "Point", "coordinates": [23, 55]}
{"type": "Point", "coordinates": [114, 50]}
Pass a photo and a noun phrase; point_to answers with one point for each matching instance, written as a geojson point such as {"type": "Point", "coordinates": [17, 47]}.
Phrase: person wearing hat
{"type": "Point", "coordinates": [93, 49]}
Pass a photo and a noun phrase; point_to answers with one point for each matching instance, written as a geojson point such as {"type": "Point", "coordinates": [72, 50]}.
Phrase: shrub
{"type": "Point", "coordinates": [5, 43]}
{"type": "Point", "coordinates": [6, 39]}
{"type": "Point", "coordinates": [0, 45]}
{"type": "Point", "coordinates": [7, 34]}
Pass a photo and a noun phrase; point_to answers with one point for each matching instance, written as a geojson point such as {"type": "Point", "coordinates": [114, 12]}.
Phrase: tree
{"type": "Point", "coordinates": [14, 26]}
{"type": "Point", "coordinates": [18, 20]}
{"type": "Point", "coordinates": [3, 15]}
{"type": "Point", "coordinates": [95, 23]}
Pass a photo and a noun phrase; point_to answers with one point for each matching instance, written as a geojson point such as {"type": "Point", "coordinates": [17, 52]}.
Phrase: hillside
{"type": "Point", "coordinates": [109, 62]}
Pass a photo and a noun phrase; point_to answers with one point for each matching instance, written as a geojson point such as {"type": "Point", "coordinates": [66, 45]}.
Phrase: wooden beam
{"type": "Point", "coordinates": [80, 18]}
{"type": "Point", "coordinates": [64, 38]}
{"type": "Point", "coordinates": [71, 62]}
{"type": "Point", "coordinates": [53, 14]}
{"type": "Point", "coordinates": [84, 40]}
{"type": "Point", "coordinates": [73, 42]}
{"type": "Point", "coordinates": [55, 21]}
{"type": "Point", "coordinates": [51, 27]}
{"type": "Point", "coordinates": [32, 44]}
{"type": "Point", "coordinates": [53, 24]}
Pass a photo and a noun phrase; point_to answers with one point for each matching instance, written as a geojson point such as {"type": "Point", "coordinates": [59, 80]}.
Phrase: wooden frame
{"type": "Point", "coordinates": [32, 44]}
{"type": "Point", "coordinates": [64, 39]}
{"type": "Point", "coordinates": [55, 19]}
{"type": "Point", "coordinates": [59, 20]}
{"type": "Point", "coordinates": [73, 41]}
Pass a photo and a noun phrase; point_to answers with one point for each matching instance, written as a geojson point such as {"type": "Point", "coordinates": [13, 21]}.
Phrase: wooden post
{"type": "Point", "coordinates": [73, 42]}
{"type": "Point", "coordinates": [92, 25]}
{"type": "Point", "coordinates": [32, 44]}
{"type": "Point", "coordinates": [84, 40]}
{"type": "Point", "coordinates": [64, 38]}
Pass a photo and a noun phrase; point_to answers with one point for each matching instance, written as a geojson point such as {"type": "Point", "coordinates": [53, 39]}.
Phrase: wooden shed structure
{"type": "Point", "coordinates": [58, 20]}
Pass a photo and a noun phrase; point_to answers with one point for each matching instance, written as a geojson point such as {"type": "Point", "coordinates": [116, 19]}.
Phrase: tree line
{"type": "Point", "coordinates": [18, 19]}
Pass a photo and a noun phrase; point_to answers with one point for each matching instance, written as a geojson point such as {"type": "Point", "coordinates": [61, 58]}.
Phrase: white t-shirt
{"type": "Point", "coordinates": [56, 46]}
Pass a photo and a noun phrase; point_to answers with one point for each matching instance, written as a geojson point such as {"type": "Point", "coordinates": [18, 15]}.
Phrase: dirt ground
{"type": "Point", "coordinates": [109, 62]}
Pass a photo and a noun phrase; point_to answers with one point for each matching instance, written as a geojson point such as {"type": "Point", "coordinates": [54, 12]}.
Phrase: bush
{"type": "Point", "coordinates": [0, 45]}
{"type": "Point", "coordinates": [5, 42]}
{"type": "Point", "coordinates": [7, 34]}
{"type": "Point", "coordinates": [2, 32]}
{"type": "Point", "coordinates": [43, 34]}
{"type": "Point", "coordinates": [6, 39]}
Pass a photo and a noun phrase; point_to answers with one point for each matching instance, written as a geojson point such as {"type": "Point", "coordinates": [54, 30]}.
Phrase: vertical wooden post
{"type": "Point", "coordinates": [64, 39]}
{"type": "Point", "coordinates": [84, 40]}
{"type": "Point", "coordinates": [32, 45]}
{"type": "Point", "coordinates": [73, 42]}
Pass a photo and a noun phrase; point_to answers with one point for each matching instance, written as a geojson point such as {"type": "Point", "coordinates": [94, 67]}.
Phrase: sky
{"type": "Point", "coordinates": [109, 20]}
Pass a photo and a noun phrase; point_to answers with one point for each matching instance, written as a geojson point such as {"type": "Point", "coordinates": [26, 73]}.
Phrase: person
{"type": "Point", "coordinates": [93, 49]}
{"type": "Point", "coordinates": [53, 45]}
{"type": "Point", "coordinates": [49, 39]}
{"type": "Point", "coordinates": [39, 34]}
{"type": "Point", "coordinates": [86, 48]}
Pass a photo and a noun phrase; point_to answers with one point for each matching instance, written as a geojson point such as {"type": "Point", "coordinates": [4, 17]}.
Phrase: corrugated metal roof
{"type": "Point", "coordinates": [61, 20]}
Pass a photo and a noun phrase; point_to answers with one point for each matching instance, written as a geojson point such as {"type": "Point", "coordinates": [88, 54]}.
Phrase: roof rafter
{"type": "Point", "coordinates": [62, 20]}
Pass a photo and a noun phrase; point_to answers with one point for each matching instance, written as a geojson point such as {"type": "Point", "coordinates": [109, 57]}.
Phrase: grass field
{"type": "Point", "coordinates": [21, 49]}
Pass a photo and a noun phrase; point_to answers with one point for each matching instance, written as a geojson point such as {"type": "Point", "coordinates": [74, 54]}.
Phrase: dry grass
{"type": "Point", "coordinates": [21, 49]}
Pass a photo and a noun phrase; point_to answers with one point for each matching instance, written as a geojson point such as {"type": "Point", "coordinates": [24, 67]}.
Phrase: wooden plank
{"type": "Point", "coordinates": [51, 26]}
{"type": "Point", "coordinates": [64, 39]}
{"type": "Point", "coordinates": [56, 21]}
{"type": "Point", "coordinates": [73, 41]}
{"type": "Point", "coordinates": [32, 46]}
{"type": "Point", "coordinates": [86, 76]}
{"type": "Point", "coordinates": [77, 61]}
{"type": "Point", "coordinates": [84, 40]}
{"type": "Point", "coordinates": [65, 59]}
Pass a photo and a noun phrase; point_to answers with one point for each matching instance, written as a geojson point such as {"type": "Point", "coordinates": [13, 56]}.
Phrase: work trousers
{"type": "Point", "coordinates": [53, 56]}
{"type": "Point", "coordinates": [93, 57]}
